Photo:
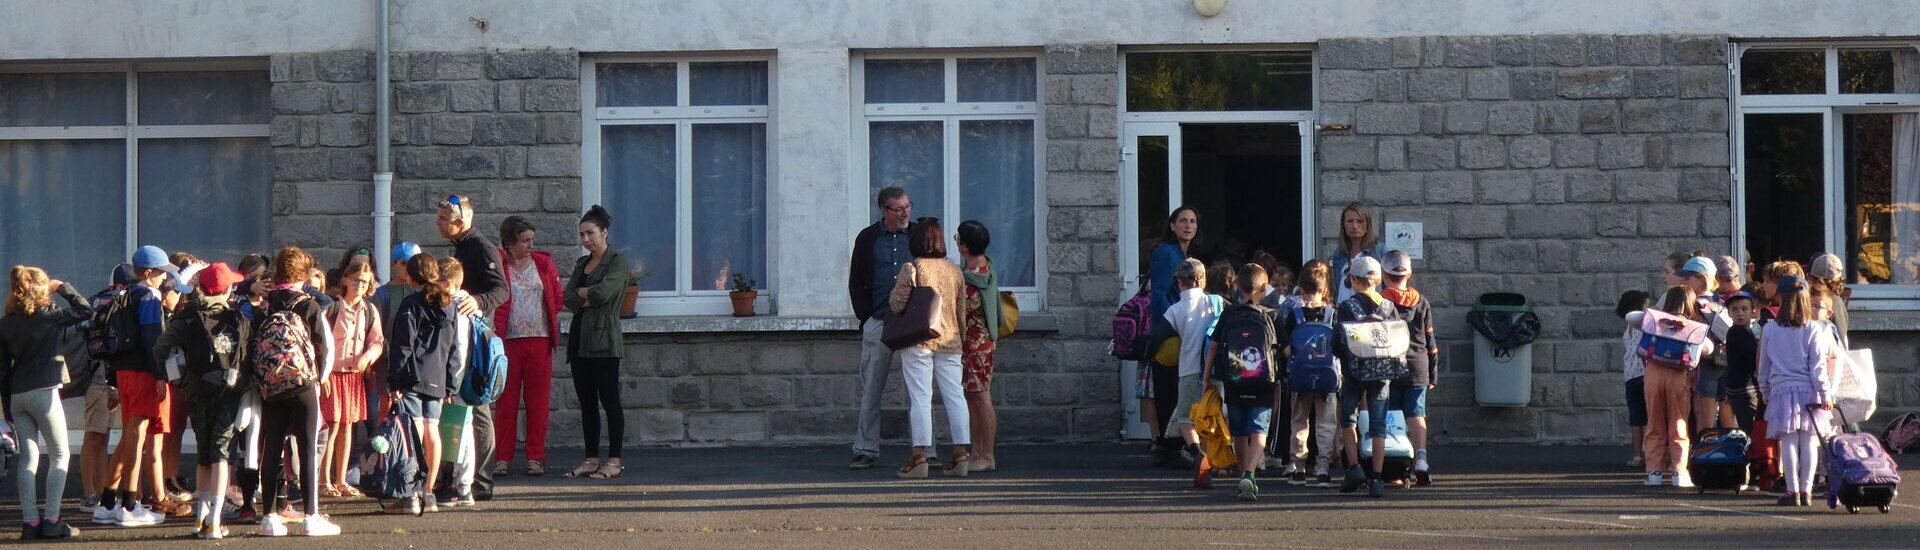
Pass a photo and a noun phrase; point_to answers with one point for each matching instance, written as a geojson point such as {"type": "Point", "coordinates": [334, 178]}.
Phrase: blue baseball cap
{"type": "Point", "coordinates": [123, 274]}
{"type": "Point", "coordinates": [405, 251]}
{"type": "Point", "coordinates": [1697, 265]}
{"type": "Point", "coordinates": [152, 257]}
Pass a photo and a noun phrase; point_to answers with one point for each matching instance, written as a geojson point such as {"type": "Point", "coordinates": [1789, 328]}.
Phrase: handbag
{"type": "Point", "coordinates": [914, 324]}
{"type": "Point", "coordinates": [1009, 314]}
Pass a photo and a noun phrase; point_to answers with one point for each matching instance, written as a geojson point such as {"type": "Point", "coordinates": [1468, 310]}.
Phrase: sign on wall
{"type": "Point", "coordinates": [1407, 236]}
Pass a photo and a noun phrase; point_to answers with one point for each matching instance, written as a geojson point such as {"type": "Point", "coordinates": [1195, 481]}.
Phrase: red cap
{"type": "Point", "coordinates": [219, 278]}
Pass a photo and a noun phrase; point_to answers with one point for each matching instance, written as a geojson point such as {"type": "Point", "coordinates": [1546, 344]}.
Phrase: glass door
{"type": "Point", "coordinates": [1151, 163]}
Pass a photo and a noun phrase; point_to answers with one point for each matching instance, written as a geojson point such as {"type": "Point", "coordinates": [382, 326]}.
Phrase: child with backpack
{"type": "Point", "coordinates": [212, 337]}
{"type": "Point", "coordinates": [1672, 349]}
{"type": "Point", "coordinates": [1409, 394]}
{"type": "Point", "coordinates": [1698, 273]}
{"type": "Point", "coordinates": [1192, 318]}
{"type": "Point", "coordinates": [1241, 357]}
{"type": "Point", "coordinates": [458, 491]}
{"type": "Point", "coordinates": [1372, 346]}
{"type": "Point", "coordinates": [124, 334]}
{"type": "Point", "coordinates": [1794, 351]}
{"type": "Point", "coordinates": [1313, 375]}
{"type": "Point", "coordinates": [421, 365]}
{"type": "Point", "coordinates": [1634, 370]}
{"type": "Point", "coordinates": [292, 354]}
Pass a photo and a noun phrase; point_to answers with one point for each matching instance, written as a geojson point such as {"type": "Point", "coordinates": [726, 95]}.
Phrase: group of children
{"type": "Point", "coordinates": [1761, 362]}
{"type": "Point", "coordinates": [1260, 349]}
{"type": "Point", "coordinates": [249, 357]}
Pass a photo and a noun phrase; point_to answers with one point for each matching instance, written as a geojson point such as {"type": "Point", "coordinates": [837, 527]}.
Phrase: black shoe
{"type": "Point", "coordinates": [1788, 500]}
{"type": "Point", "coordinates": [1355, 478]}
{"type": "Point", "coordinates": [860, 462]}
{"type": "Point", "coordinates": [57, 530]}
{"type": "Point", "coordinates": [1376, 489]}
{"type": "Point", "coordinates": [1299, 478]}
{"type": "Point", "coordinates": [29, 532]}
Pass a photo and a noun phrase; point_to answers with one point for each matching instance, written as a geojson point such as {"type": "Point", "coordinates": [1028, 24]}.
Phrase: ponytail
{"type": "Point", "coordinates": [425, 269]}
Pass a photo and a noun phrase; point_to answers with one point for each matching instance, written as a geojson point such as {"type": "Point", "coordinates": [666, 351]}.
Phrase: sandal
{"type": "Point", "coordinates": [915, 468]}
{"type": "Point", "coordinates": [500, 468]}
{"type": "Point", "coordinates": [536, 468]}
{"type": "Point", "coordinates": [349, 491]}
{"type": "Point", "coordinates": [605, 473]}
{"type": "Point", "coordinates": [957, 465]}
{"type": "Point", "coordinates": [587, 467]}
{"type": "Point", "coordinates": [331, 492]}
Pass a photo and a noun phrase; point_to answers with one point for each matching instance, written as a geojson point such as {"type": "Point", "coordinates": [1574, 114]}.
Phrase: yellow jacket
{"type": "Point", "coordinates": [1210, 422]}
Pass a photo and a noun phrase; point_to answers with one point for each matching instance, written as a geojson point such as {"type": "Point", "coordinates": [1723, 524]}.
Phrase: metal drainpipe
{"type": "Point", "coordinates": [383, 165]}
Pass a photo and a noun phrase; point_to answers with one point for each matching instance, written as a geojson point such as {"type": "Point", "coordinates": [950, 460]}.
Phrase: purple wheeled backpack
{"type": "Point", "coordinates": [1859, 472]}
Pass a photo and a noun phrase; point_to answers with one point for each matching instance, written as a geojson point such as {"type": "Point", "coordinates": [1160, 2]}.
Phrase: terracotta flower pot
{"type": "Point", "coordinates": [627, 300]}
{"type": "Point", "coordinates": [743, 302]}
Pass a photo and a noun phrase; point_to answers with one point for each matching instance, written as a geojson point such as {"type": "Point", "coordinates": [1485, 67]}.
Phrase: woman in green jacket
{"type": "Point", "coordinates": [594, 343]}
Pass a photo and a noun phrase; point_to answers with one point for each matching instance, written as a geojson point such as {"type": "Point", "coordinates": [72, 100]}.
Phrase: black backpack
{"type": "Point", "coordinates": [216, 353]}
{"type": "Point", "coordinates": [1247, 341]}
{"type": "Point", "coordinates": [115, 325]}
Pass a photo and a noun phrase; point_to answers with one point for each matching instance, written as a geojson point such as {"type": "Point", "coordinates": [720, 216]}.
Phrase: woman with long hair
{"type": "Point", "coordinates": [1175, 246]}
{"type": "Point", "coordinates": [595, 345]}
{"type": "Point", "coordinates": [32, 365]}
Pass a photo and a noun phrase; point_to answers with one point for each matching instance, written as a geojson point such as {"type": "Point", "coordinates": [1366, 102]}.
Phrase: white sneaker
{"type": "Point", "coordinates": [319, 526]}
{"type": "Point", "coordinates": [1654, 480]}
{"type": "Point", "coordinates": [105, 516]}
{"type": "Point", "coordinates": [140, 515]}
{"type": "Point", "coordinates": [212, 532]}
{"type": "Point", "coordinates": [1420, 465]}
{"type": "Point", "coordinates": [273, 526]}
{"type": "Point", "coordinates": [1683, 480]}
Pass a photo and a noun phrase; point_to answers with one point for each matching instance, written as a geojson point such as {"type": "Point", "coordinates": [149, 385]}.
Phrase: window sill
{"type": "Point", "coordinates": [1029, 322]}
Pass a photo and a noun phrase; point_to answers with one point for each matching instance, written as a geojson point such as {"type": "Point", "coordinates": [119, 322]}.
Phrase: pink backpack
{"type": "Point", "coordinates": [1670, 340]}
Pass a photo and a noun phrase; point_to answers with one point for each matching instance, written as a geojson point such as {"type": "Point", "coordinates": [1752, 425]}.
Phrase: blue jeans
{"type": "Point", "coordinates": [1409, 400]}
{"type": "Point", "coordinates": [1374, 395]}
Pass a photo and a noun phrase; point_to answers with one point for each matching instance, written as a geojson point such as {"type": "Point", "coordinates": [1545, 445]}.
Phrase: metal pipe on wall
{"type": "Point", "coordinates": [383, 166]}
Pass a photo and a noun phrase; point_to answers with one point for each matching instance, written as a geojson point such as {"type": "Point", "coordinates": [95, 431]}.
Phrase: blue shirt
{"type": "Point", "coordinates": [889, 253]}
{"type": "Point", "coordinates": [1162, 293]}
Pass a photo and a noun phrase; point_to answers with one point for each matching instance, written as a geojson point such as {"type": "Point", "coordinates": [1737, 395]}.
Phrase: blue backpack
{"type": "Point", "coordinates": [399, 473]}
{"type": "Point", "coordinates": [1313, 368]}
{"type": "Point", "coordinates": [486, 376]}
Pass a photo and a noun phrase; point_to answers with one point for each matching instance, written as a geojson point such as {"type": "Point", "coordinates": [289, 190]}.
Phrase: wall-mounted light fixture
{"type": "Point", "coordinates": [1209, 8]}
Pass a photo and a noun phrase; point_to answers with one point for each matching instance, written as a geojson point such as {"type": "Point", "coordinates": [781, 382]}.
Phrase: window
{"type": "Point", "coordinates": [1830, 161]}
{"type": "Point", "coordinates": [961, 135]}
{"type": "Point", "coordinates": [1219, 81]}
{"type": "Point", "coordinates": [677, 152]}
{"type": "Point", "coordinates": [98, 159]}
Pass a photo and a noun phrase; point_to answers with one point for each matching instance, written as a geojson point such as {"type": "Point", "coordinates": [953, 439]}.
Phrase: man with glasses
{"type": "Point", "coordinates": [487, 285]}
{"type": "Point", "coordinates": [878, 252]}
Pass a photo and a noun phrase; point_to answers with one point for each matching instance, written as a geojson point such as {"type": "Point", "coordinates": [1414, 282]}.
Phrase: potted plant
{"type": "Point", "coordinates": [743, 295]}
{"type": "Point", "coordinates": [632, 293]}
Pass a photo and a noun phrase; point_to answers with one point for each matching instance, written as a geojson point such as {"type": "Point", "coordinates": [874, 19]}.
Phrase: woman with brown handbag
{"type": "Point", "coordinates": [928, 298]}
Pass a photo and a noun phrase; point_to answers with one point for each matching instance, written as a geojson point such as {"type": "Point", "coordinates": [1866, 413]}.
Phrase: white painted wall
{"type": "Point", "coordinates": [812, 105]}
{"type": "Point", "coordinates": [90, 29]}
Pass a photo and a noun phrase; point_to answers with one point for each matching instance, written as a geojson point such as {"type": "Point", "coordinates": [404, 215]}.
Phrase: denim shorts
{"type": "Point", "coordinates": [1409, 400]}
{"type": "Point", "coordinates": [417, 406]}
{"type": "Point", "coordinates": [1374, 395]}
{"type": "Point", "coordinates": [1248, 420]}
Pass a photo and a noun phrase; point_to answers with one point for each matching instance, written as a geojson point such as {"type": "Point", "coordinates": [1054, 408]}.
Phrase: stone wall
{"type": "Point", "coordinates": [1563, 167]}
{"type": "Point", "coordinates": [501, 127]}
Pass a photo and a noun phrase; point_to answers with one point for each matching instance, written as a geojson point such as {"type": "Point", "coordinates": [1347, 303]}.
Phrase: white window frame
{"type": "Point", "coordinates": [683, 116]}
{"type": "Point", "coordinates": [1833, 106]}
{"type": "Point", "coordinates": [131, 131]}
{"type": "Point", "coordinates": [950, 114]}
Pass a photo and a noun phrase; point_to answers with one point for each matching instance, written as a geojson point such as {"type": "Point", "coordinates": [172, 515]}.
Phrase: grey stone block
{"type": "Point", "coordinates": [1653, 115]}
{"type": "Point", "coordinates": [420, 97]}
{"type": "Point", "coordinates": [1656, 83]}
{"type": "Point", "coordinates": [1390, 86]}
{"type": "Point", "coordinates": [1449, 187]}
{"type": "Point", "coordinates": [509, 96]}
{"type": "Point", "coordinates": [1407, 52]}
{"type": "Point", "coordinates": [1589, 187]}
{"type": "Point", "coordinates": [1354, 53]}
{"type": "Point", "coordinates": [1339, 85]}
{"type": "Point", "coordinates": [560, 196]}
{"type": "Point", "coordinates": [419, 66]}
{"type": "Point", "coordinates": [1697, 151]}
{"type": "Point", "coordinates": [1617, 221]}
{"type": "Point", "coordinates": [299, 165]}
{"type": "Point", "coordinates": [459, 66]}
{"type": "Point", "coordinates": [1347, 152]}
{"type": "Point", "coordinates": [344, 66]}
{"type": "Point", "coordinates": [452, 129]}
{"type": "Point", "coordinates": [410, 163]}
{"type": "Point", "coordinates": [284, 131]}
{"type": "Point", "coordinates": [1093, 58]}
{"type": "Point", "coordinates": [1707, 115]}
{"type": "Point", "coordinates": [553, 95]}
{"type": "Point", "coordinates": [1559, 118]}
{"type": "Point", "coordinates": [309, 132]}
{"type": "Point", "coordinates": [1466, 118]}
{"type": "Point", "coordinates": [300, 99]}
{"type": "Point", "coordinates": [474, 164]}
{"type": "Point", "coordinates": [1606, 83]}
{"type": "Point", "coordinates": [521, 64]}
{"type": "Point", "coordinates": [1506, 257]}
{"type": "Point", "coordinates": [468, 97]}
{"type": "Point", "coordinates": [1647, 187]}
{"type": "Point", "coordinates": [1483, 152]}
{"type": "Point", "coordinates": [1560, 50]}
{"type": "Point", "coordinates": [508, 129]}
{"type": "Point", "coordinates": [1697, 50]}
{"type": "Point", "coordinates": [1618, 152]}
{"type": "Point", "coordinates": [726, 426]}
{"type": "Point", "coordinates": [1095, 89]}
{"type": "Point", "coordinates": [1336, 113]}
{"type": "Point", "coordinates": [1062, 156]}
{"type": "Point", "coordinates": [1103, 122]}
{"type": "Point", "coordinates": [1067, 257]}
{"type": "Point", "coordinates": [1431, 154]}
{"type": "Point", "coordinates": [1532, 85]}
{"type": "Point", "coordinates": [342, 98]}
{"type": "Point", "coordinates": [1716, 220]}
{"type": "Point", "coordinates": [1488, 84]}
{"type": "Point", "coordinates": [1083, 189]}
{"type": "Point", "coordinates": [1339, 188]}
{"type": "Point", "coordinates": [343, 131]}
{"type": "Point", "coordinates": [1574, 152]}
{"type": "Point", "coordinates": [1599, 117]}
{"type": "Point", "coordinates": [1393, 189]}
{"type": "Point", "coordinates": [1530, 152]}
{"type": "Point", "coordinates": [1099, 155]}
{"type": "Point", "coordinates": [1432, 119]}
{"type": "Point", "coordinates": [1714, 185]}
{"type": "Point", "coordinates": [1059, 89]}
{"type": "Point", "coordinates": [1066, 121]}
{"type": "Point", "coordinates": [1449, 257]}
{"type": "Point", "coordinates": [1641, 50]}
{"type": "Point", "coordinates": [1669, 220]}
{"type": "Point", "coordinates": [1602, 51]}
{"type": "Point", "coordinates": [1436, 85]}
{"type": "Point", "coordinates": [1506, 187]}
{"type": "Point", "coordinates": [1703, 82]}
{"type": "Point", "coordinates": [1553, 222]}
{"type": "Point", "coordinates": [559, 128]}
{"type": "Point", "coordinates": [554, 161]}
{"type": "Point", "coordinates": [1553, 256]}
{"type": "Point", "coordinates": [1469, 51]}
{"type": "Point", "coordinates": [1393, 154]}
{"type": "Point", "coordinates": [1387, 119]}
{"type": "Point", "coordinates": [1510, 118]}
{"type": "Point", "coordinates": [1513, 50]}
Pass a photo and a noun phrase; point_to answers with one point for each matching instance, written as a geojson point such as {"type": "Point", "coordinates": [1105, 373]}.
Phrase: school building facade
{"type": "Point", "coordinates": [1561, 151]}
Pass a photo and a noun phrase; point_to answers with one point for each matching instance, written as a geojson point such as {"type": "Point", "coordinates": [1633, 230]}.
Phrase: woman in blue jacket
{"type": "Point", "coordinates": [1176, 245]}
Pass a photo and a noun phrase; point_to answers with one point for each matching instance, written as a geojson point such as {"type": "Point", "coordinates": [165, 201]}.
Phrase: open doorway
{"type": "Point", "coordinates": [1243, 179]}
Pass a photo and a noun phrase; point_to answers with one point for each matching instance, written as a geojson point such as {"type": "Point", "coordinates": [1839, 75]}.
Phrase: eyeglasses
{"type": "Point", "coordinates": [900, 209]}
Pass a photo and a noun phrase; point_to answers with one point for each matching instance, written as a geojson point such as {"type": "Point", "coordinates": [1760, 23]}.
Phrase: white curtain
{"type": "Point", "coordinates": [213, 97]}
{"type": "Point", "coordinates": [637, 188]}
{"type": "Point", "coordinates": [729, 204]}
{"type": "Point", "coordinates": [996, 188]}
{"type": "Point", "coordinates": [1904, 259]}
{"type": "Point", "coordinates": [909, 155]}
{"type": "Point", "coordinates": [60, 205]}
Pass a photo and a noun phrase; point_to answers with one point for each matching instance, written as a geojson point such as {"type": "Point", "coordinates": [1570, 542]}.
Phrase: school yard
{"type": "Point", "coordinates": [1097, 496]}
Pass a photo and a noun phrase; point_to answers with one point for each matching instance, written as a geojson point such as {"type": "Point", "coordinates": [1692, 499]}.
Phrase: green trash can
{"type": "Point", "coordinates": [1504, 327]}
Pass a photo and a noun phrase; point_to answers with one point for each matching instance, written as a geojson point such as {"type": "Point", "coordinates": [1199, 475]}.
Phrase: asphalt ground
{"type": "Point", "coordinates": [1095, 496]}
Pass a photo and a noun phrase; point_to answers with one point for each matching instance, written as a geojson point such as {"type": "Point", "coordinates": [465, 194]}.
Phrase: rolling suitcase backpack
{"type": "Point", "coordinates": [1398, 464]}
{"type": "Point", "coordinates": [1860, 474]}
{"type": "Point", "coordinates": [1719, 460]}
